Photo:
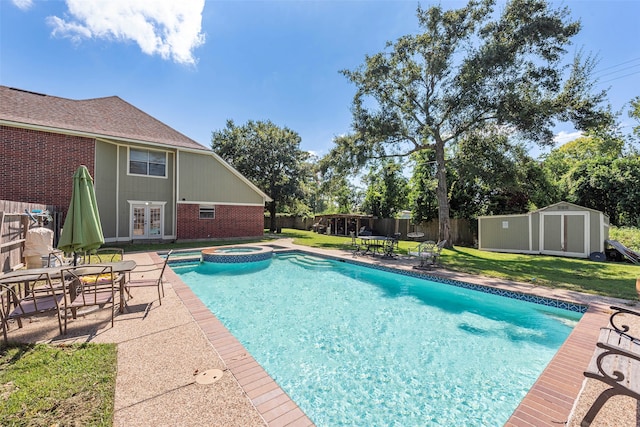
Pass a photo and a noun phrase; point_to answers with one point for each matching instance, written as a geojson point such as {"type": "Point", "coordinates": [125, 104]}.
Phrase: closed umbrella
{"type": "Point", "coordinates": [82, 229]}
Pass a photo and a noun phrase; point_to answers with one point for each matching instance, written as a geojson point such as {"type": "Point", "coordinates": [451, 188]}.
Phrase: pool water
{"type": "Point", "coordinates": [356, 346]}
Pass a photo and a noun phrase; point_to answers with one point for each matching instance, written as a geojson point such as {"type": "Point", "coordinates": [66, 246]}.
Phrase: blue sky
{"type": "Point", "coordinates": [194, 64]}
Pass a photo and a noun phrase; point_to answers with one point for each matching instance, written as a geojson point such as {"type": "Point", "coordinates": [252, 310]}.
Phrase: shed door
{"type": "Point", "coordinates": [564, 234]}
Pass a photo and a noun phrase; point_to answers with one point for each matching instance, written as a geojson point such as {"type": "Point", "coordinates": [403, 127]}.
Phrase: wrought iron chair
{"type": "Point", "coordinates": [429, 253]}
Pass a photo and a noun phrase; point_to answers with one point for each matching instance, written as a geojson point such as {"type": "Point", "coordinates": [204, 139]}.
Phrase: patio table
{"type": "Point", "coordinates": [29, 275]}
{"type": "Point", "coordinates": [374, 244]}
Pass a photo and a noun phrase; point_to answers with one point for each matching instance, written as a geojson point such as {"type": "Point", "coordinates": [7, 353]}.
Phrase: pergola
{"type": "Point", "coordinates": [342, 224]}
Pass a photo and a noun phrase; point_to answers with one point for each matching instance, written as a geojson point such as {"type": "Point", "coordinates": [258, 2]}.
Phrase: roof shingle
{"type": "Point", "coordinates": [108, 117]}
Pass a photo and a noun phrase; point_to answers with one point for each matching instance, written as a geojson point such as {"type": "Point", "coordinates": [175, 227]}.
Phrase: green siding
{"type": "Point", "coordinates": [552, 233]}
{"type": "Point", "coordinates": [575, 227]}
{"type": "Point", "coordinates": [105, 178]}
{"type": "Point", "coordinates": [204, 179]}
{"type": "Point", "coordinates": [144, 188]}
{"type": "Point", "coordinates": [535, 232]}
{"type": "Point", "coordinates": [515, 237]}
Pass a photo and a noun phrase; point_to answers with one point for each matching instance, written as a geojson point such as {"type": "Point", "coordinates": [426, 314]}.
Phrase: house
{"type": "Point", "coordinates": [562, 229]}
{"type": "Point", "coordinates": [151, 181]}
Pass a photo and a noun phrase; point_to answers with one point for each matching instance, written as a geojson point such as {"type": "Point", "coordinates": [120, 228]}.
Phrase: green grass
{"type": "Point", "coordinates": [630, 237]}
{"type": "Point", "coordinates": [615, 279]}
{"type": "Point", "coordinates": [45, 385]}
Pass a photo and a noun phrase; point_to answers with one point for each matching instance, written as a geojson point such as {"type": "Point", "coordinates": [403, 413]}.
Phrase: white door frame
{"type": "Point", "coordinates": [147, 205]}
{"type": "Point", "coordinates": [562, 216]}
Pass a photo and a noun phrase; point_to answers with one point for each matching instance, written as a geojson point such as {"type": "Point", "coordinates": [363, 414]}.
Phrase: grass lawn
{"type": "Point", "coordinates": [46, 385]}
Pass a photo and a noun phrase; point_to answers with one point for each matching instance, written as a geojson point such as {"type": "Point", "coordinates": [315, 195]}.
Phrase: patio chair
{"type": "Point", "coordinates": [429, 254]}
{"type": "Point", "coordinates": [388, 248]}
{"type": "Point", "coordinates": [435, 256]}
{"type": "Point", "coordinates": [354, 244]}
{"type": "Point", "coordinates": [89, 286]}
{"type": "Point", "coordinates": [56, 258]}
{"type": "Point", "coordinates": [104, 255]}
{"type": "Point", "coordinates": [17, 301]}
{"type": "Point", "coordinates": [424, 251]}
{"type": "Point", "coordinates": [155, 281]}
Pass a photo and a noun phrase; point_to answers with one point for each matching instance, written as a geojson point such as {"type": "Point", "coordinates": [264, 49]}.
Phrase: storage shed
{"type": "Point", "coordinates": [562, 229]}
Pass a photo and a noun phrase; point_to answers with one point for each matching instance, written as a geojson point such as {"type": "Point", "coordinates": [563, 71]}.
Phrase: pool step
{"type": "Point", "coordinates": [307, 261]}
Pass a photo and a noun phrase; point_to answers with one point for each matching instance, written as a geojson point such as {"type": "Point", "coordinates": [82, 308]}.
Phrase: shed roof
{"type": "Point", "coordinates": [107, 117]}
{"type": "Point", "coordinates": [572, 206]}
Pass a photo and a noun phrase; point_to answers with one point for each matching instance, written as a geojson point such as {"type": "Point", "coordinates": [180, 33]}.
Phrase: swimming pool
{"type": "Point", "coordinates": [357, 346]}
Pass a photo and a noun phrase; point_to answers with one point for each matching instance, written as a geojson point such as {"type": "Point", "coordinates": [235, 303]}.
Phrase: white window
{"type": "Point", "coordinates": [147, 162]}
{"type": "Point", "coordinates": [207, 212]}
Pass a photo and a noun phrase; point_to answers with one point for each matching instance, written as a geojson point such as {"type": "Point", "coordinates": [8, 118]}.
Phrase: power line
{"type": "Point", "coordinates": [621, 77]}
{"type": "Point", "coordinates": [617, 65]}
{"type": "Point", "coordinates": [620, 70]}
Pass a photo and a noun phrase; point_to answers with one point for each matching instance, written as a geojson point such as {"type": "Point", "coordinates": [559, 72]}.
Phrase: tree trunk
{"type": "Point", "coordinates": [272, 212]}
{"type": "Point", "coordinates": [442, 194]}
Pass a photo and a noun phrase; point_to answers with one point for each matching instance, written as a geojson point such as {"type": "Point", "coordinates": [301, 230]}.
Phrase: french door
{"type": "Point", "coordinates": [146, 222]}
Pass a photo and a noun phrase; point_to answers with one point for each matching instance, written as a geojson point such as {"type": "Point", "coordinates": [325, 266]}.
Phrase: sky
{"type": "Point", "coordinates": [194, 64]}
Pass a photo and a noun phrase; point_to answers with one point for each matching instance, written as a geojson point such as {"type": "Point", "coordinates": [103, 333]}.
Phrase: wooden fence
{"type": "Point", "coordinates": [461, 230]}
{"type": "Point", "coordinates": [14, 224]}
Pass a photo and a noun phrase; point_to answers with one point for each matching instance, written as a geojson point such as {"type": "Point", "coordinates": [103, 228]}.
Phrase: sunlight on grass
{"type": "Point", "coordinates": [600, 278]}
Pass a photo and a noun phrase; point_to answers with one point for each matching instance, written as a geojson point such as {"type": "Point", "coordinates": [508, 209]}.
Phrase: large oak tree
{"type": "Point", "coordinates": [470, 68]}
{"type": "Point", "coordinates": [268, 155]}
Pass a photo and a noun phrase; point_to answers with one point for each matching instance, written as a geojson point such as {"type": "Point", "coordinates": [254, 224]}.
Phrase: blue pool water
{"type": "Point", "coordinates": [355, 346]}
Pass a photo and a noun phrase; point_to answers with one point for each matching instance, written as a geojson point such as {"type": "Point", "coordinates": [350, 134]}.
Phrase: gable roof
{"type": "Point", "coordinates": [571, 206]}
{"type": "Point", "coordinates": [107, 117]}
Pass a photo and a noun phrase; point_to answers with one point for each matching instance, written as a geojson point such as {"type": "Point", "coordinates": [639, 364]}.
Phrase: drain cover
{"type": "Point", "coordinates": [209, 377]}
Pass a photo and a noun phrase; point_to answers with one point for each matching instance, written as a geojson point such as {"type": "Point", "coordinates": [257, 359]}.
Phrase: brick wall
{"type": "Point", "coordinates": [230, 221]}
{"type": "Point", "coordinates": [38, 167]}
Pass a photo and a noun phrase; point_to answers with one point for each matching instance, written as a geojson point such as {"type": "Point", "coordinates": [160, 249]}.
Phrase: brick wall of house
{"type": "Point", "coordinates": [230, 221]}
{"type": "Point", "coordinates": [38, 167]}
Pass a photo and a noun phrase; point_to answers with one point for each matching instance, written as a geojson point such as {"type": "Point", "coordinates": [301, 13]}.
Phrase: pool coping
{"type": "Point", "coordinates": [548, 403]}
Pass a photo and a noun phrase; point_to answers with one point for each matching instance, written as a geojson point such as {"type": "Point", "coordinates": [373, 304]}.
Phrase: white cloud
{"type": "Point", "coordinates": [23, 4]}
{"type": "Point", "coordinates": [563, 137]}
{"type": "Point", "coordinates": [169, 28]}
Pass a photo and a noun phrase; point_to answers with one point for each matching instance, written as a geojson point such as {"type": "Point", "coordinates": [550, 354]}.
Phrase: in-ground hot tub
{"type": "Point", "coordinates": [237, 254]}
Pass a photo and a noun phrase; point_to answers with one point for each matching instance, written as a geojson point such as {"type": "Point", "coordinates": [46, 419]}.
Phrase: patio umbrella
{"type": "Point", "coordinates": [82, 229]}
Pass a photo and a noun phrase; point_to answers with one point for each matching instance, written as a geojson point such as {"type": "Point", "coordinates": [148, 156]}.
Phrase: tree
{"type": "Point", "coordinates": [466, 70]}
{"type": "Point", "coordinates": [634, 113]}
{"type": "Point", "coordinates": [343, 196]}
{"type": "Point", "coordinates": [599, 171]}
{"type": "Point", "coordinates": [386, 193]}
{"type": "Point", "coordinates": [422, 187]}
{"type": "Point", "coordinates": [267, 155]}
